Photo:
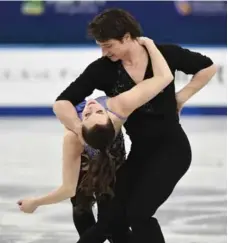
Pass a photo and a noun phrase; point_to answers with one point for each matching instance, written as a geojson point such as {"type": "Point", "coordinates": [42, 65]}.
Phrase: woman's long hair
{"type": "Point", "coordinates": [100, 176]}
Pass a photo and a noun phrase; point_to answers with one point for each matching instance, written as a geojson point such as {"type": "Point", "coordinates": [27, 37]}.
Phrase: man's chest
{"type": "Point", "coordinates": [123, 82]}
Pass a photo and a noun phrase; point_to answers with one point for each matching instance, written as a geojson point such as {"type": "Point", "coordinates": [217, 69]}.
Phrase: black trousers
{"type": "Point", "coordinates": [144, 183]}
{"type": "Point", "coordinates": [84, 219]}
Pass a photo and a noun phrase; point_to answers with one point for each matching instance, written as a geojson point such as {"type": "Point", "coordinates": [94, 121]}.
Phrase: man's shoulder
{"type": "Point", "coordinates": [168, 47]}
{"type": "Point", "coordinates": [102, 62]}
{"type": "Point", "coordinates": [171, 52]}
{"type": "Point", "coordinates": [101, 69]}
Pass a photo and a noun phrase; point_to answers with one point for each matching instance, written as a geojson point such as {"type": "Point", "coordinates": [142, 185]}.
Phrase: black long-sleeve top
{"type": "Point", "coordinates": [111, 77]}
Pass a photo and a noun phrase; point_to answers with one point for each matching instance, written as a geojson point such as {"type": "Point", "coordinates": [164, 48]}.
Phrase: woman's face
{"type": "Point", "coordinates": [94, 113]}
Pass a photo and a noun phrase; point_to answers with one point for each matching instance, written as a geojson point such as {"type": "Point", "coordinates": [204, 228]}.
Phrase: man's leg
{"type": "Point", "coordinates": [157, 179]}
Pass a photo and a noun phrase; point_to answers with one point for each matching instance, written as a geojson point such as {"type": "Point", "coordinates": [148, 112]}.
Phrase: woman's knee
{"type": "Point", "coordinates": [82, 201]}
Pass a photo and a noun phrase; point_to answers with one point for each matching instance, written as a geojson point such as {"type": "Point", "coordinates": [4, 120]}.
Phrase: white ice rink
{"type": "Point", "coordinates": [30, 165]}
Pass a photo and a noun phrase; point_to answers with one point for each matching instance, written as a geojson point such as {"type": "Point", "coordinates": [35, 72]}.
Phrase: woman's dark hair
{"type": "Point", "coordinates": [101, 173]}
{"type": "Point", "coordinates": [114, 24]}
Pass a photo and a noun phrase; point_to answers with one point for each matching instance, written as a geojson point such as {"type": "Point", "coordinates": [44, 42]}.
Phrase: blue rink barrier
{"type": "Point", "coordinates": [46, 111]}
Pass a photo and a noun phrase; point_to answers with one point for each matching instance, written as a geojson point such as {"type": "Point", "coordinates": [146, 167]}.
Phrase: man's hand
{"type": "Point", "coordinates": [180, 102]}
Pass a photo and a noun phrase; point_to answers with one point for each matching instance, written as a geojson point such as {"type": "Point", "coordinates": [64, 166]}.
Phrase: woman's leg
{"type": "Point", "coordinates": [83, 216]}
{"type": "Point", "coordinates": [83, 219]}
{"type": "Point", "coordinates": [108, 225]}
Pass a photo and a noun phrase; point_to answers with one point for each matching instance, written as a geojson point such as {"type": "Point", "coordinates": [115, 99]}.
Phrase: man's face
{"type": "Point", "coordinates": [113, 49]}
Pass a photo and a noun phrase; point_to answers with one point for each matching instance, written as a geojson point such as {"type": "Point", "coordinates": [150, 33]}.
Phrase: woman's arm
{"type": "Point", "coordinates": [146, 90]}
{"type": "Point", "coordinates": [159, 64]}
{"type": "Point", "coordinates": [72, 150]}
{"type": "Point", "coordinates": [68, 187]}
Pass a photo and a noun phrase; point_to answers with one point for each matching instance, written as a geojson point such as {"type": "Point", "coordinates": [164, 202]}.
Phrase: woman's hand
{"type": "Point", "coordinates": [27, 205]}
{"type": "Point", "coordinates": [145, 41]}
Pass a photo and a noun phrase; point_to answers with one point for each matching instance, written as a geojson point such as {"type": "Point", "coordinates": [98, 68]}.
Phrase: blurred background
{"type": "Point", "coordinates": [43, 47]}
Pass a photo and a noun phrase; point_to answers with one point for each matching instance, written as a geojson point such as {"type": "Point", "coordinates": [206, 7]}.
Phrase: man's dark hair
{"type": "Point", "coordinates": [114, 24]}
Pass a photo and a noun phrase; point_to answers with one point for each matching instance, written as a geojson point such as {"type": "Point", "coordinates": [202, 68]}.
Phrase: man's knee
{"type": "Point", "coordinates": [138, 216]}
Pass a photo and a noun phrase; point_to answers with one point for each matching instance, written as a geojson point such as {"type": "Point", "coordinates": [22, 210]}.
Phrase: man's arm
{"type": "Point", "coordinates": [198, 81]}
{"type": "Point", "coordinates": [189, 62]}
{"type": "Point", "coordinates": [76, 92]}
{"type": "Point", "coordinates": [146, 90]}
{"type": "Point", "coordinates": [66, 113]}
